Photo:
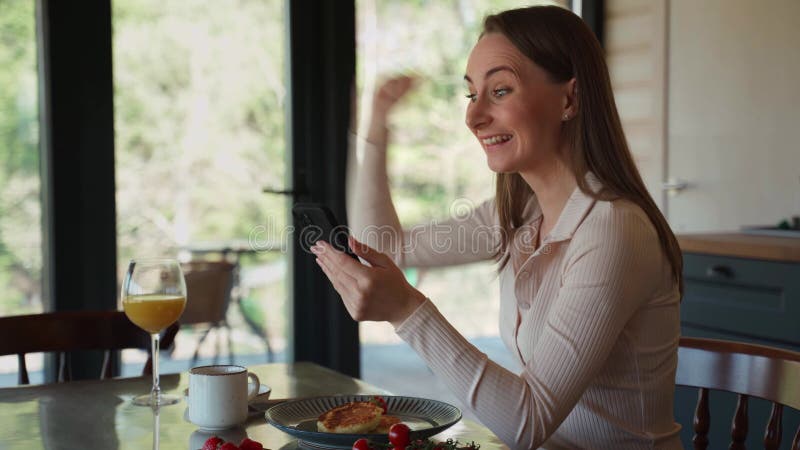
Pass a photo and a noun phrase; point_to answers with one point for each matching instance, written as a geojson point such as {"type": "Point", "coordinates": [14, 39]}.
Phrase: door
{"type": "Point", "coordinates": [733, 117]}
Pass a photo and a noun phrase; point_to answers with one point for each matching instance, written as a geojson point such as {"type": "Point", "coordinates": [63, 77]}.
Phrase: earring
{"type": "Point", "coordinates": [566, 116]}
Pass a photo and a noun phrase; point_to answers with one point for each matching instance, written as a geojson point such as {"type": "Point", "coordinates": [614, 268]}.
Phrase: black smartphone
{"type": "Point", "coordinates": [314, 222]}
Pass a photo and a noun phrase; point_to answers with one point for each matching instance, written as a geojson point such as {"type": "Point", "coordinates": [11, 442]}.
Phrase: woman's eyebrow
{"type": "Point", "coordinates": [491, 72]}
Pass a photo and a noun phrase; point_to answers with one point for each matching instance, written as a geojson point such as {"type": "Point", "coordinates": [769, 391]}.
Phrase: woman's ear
{"type": "Point", "coordinates": [570, 107]}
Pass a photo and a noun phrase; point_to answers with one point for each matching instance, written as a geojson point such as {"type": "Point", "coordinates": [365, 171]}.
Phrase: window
{"type": "Point", "coordinates": [435, 164]}
{"type": "Point", "coordinates": [20, 202]}
{"type": "Point", "coordinates": [199, 123]}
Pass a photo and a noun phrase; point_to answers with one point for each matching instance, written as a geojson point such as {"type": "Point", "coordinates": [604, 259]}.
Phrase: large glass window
{"type": "Point", "coordinates": [436, 167]}
{"type": "Point", "coordinates": [20, 200]}
{"type": "Point", "coordinates": [199, 97]}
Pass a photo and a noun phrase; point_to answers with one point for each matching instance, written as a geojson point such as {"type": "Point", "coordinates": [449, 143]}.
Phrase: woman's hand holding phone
{"type": "Point", "coordinates": [376, 293]}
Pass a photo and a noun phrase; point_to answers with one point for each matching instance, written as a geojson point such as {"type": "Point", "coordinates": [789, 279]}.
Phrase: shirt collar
{"type": "Point", "coordinates": [575, 210]}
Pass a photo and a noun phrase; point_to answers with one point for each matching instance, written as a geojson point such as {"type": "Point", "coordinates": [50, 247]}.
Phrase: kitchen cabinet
{"type": "Point", "coordinates": [741, 288]}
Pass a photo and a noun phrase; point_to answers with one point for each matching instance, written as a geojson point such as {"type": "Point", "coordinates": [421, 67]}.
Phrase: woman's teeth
{"type": "Point", "coordinates": [496, 139]}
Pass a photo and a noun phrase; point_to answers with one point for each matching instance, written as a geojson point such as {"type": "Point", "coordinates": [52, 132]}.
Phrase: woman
{"type": "Point", "coordinates": [590, 273]}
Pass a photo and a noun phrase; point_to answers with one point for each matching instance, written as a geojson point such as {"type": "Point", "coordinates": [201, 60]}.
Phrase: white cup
{"type": "Point", "coordinates": [218, 396]}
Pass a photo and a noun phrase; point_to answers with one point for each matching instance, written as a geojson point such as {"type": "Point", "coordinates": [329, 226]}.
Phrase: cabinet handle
{"type": "Point", "coordinates": [719, 271]}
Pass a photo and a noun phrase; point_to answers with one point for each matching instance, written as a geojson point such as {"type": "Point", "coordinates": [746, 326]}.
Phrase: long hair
{"type": "Point", "coordinates": [559, 42]}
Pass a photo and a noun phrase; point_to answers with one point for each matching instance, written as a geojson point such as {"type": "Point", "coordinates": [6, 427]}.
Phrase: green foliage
{"type": "Point", "coordinates": [199, 119]}
{"type": "Point", "coordinates": [20, 233]}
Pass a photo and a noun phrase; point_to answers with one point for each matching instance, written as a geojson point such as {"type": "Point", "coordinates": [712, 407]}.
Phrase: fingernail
{"type": "Point", "coordinates": [315, 250]}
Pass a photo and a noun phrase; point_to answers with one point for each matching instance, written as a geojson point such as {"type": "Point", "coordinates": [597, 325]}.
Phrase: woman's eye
{"type": "Point", "coordinates": [501, 92]}
{"type": "Point", "coordinates": [472, 97]}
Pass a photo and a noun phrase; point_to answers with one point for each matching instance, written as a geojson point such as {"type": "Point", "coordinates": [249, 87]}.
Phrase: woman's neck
{"type": "Point", "coordinates": [553, 184]}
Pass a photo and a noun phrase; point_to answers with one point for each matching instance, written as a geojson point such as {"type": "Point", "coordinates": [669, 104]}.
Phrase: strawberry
{"type": "Point", "coordinates": [212, 443]}
{"type": "Point", "coordinates": [249, 444]}
{"type": "Point", "coordinates": [229, 446]}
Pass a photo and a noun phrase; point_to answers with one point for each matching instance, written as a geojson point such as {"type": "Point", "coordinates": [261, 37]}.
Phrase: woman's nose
{"type": "Point", "coordinates": [477, 116]}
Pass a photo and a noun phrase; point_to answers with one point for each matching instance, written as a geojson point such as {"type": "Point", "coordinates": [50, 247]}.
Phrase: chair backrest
{"type": "Point", "coordinates": [747, 370]}
{"type": "Point", "coordinates": [208, 291]}
{"type": "Point", "coordinates": [63, 332]}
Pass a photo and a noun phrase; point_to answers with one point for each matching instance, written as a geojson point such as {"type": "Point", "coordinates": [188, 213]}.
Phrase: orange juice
{"type": "Point", "coordinates": [153, 312]}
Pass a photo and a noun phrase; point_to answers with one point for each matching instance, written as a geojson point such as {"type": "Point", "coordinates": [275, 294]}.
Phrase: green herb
{"type": "Point", "coordinates": [427, 444]}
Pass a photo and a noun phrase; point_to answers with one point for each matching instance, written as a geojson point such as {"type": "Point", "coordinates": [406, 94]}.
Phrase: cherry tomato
{"type": "Point", "coordinates": [399, 435]}
{"type": "Point", "coordinates": [361, 444]}
{"type": "Point", "coordinates": [380, 402]}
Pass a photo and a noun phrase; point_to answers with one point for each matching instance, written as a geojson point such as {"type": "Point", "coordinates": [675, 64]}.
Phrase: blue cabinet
{"type": "Point", "coordinates": [744, 300]}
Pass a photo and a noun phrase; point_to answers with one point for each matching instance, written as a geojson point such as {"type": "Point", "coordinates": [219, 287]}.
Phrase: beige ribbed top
{"type": "Point", "coordinates": [592, 315]}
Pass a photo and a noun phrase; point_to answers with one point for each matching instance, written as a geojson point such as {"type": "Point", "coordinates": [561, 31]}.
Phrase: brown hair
{"type": "Point", "coordinates": [559, 42]}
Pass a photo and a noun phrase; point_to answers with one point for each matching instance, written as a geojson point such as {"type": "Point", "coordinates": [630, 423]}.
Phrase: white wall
{"type": "Point", "coordinates": [635, 45]}
{"type": "Point", "coordinates": [734, 112]}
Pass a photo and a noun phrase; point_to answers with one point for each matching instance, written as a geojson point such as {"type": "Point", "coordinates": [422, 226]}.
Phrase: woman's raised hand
{"type": "Point", "coordinates": [386, 96]}
{"type": "Point", "coordinates": [390, 92]}
{"type": "Point", "coordinates": [377, 293]}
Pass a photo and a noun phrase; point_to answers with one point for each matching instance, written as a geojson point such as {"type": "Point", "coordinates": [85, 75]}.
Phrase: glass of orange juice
{"type": "Point", "coordinates": [153, 297]}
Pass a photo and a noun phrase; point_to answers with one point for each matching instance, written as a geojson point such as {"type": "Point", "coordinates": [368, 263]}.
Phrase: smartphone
{"type": "Point", "coordinates": [314, 222]}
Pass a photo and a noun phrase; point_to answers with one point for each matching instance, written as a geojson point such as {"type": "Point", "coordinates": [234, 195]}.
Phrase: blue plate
{"type": "Point", "coordinates": [298, 418]}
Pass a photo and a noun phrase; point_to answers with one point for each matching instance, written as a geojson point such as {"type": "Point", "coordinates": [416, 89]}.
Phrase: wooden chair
{"type": "Point", "coordinates": [747, 370]}
{"type": "Point", "coordinates": [63, 332]}
{"type": "Point", "coordinates": [208, 295]}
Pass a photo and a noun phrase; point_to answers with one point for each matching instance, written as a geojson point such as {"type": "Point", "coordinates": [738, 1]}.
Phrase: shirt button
{"type": "Point", "coordinates": [524, 275]}
{"type": "Point", "coordinates": [525, 306]}
{"type": "Point", "coordinates": [546, 249]}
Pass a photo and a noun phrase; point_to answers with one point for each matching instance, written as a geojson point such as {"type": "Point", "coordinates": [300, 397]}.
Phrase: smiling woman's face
{"type": "Point", "coordinates": [515, 111]}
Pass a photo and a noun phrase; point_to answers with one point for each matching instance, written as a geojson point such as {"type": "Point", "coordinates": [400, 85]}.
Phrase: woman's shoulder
{"type": "Point", "coordinates": [619, 210]}
{"type": "Point", "coordinates": [618, 222]}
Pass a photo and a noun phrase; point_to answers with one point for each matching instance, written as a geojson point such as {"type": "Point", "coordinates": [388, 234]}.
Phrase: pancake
{"type": "Point", "coordinates": [350, 418]}
{"type": "Point", "coordinates": [385, 423]}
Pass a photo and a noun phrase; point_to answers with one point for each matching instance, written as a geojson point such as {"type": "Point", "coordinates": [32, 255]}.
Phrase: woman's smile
{"type": "Point", "coordinates": [495, 141]}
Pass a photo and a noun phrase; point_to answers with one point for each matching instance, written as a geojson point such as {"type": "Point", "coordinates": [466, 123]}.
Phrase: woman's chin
{"type": "Point", "coordinates": [499, 166]}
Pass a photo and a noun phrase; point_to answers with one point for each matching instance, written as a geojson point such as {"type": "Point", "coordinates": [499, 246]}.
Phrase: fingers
{"type": "Point", "coordinates": [392, 91]}
{"type": "Point", "coordinates": [341, 281]}
{"type": "Point", "coordinates": [345, 284]}
{"type": "Point", "coordinates": [372, 256]}
{"type": "Point", "coordinates": [398, 87]}
{"type": "Point", "coordinates": [337, 260]}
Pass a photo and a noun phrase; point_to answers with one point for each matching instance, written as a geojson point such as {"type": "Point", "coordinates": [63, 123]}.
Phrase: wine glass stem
{"type": "Point", "coordinates": [155, 394]}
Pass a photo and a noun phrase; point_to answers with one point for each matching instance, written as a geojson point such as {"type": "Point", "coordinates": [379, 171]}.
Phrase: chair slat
{"type": "Point", "coordinates": [772, 374]}
{"type": "Point", "coordinates": [796, 440]}
{"type": "Point", "coordinates": [22, 379]}
{"type": "Point", "coordinates": [739, 425]}
{"type": "Point", "coordinates": [105, 370]}
{"type": "Point", "coordinates": [772, 435]}
{"type": "Point", "coordinates": [702, 421]}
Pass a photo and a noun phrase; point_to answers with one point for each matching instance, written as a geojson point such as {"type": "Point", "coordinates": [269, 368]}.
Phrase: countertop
{"type": "Point", "coordinates": [741, 245]}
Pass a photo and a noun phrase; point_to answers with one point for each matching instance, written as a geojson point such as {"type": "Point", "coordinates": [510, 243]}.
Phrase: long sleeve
{"type": "Point", "coordinates": [589, 289]}
{"type": "Point", "coordinates": [373, 219]}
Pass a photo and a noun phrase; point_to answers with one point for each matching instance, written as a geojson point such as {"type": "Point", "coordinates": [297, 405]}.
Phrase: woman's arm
{"type": "Point", "coordinates": [371, 213]}
{"type": "Point", "coordinates": [602, 288]}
